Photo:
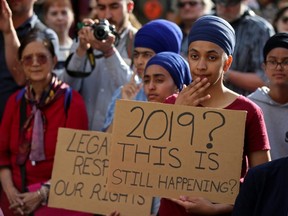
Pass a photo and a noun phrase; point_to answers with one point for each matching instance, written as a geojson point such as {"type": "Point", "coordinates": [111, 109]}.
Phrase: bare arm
{"type": "Point", "coordinates": [8, 186]}
{"type": "Point", "coordinates": [12, 43]}
{"type": "Point", "coordinates": [258, 157]}
{"type": "Point", "coordinates": [240, 80]}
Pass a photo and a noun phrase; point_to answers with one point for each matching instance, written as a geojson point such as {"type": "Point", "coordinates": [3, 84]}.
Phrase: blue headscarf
{"type": "Point", "coordinates": [213, 29]}
{"type": "Point", "coordinates": [159, 35]}
{"type": "Point", "coordinates": [175, 64]}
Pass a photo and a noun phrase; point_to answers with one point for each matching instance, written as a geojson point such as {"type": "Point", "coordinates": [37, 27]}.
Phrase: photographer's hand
{"type": "Point", "coordinates": [83, 35]}
{"type": "Point", "coordinates": [106, 46]}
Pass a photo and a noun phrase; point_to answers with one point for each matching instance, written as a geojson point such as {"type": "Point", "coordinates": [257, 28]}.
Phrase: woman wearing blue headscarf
{"type": "Point", "coordinates": [154, 37]}
{"type": "Point", "coordinates": [211, 46]}
{"type": "Point", "coordinates": [166, 73]}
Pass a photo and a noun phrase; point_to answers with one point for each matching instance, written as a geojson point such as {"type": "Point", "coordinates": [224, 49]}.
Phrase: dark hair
{"type": "Point", "coordinates": [278, 15]}
{"type": "Point", "coordinates": [37, 35]}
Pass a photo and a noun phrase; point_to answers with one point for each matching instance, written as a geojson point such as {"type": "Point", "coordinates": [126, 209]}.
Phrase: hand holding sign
{"type": "Point", "coordinates": [198, 205]}
{"type": "Point", "coordinates": [188, 152]}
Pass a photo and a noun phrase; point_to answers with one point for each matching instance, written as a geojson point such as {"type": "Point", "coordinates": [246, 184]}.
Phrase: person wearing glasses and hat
{"type": "Point", "coordinates": [252, 32]}
{"type": "Point", "coordinates": [273, 99]}
{"type": "Point", "coordinates": [264, 191]}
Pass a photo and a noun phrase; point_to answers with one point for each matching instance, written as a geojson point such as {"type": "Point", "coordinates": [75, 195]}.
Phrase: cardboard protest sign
{"type": "Point", "coordinates": [168, 150]}
{"type": "Point", "coordinates": [80, 175]}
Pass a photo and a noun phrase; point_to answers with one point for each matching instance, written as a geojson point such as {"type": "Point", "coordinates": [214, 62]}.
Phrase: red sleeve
{"type": "Point", "coordinates": [77, 117]}
{"type": "Point", "coordinates": [256, 137]}
{"type": "Point", "coordinates": [10, 119]}
{"type": "Point", "coordinates": [171, 99]}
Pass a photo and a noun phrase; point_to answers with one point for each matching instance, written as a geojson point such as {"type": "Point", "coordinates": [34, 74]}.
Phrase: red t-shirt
{"type": "Point", "coordinates": [256, 139]}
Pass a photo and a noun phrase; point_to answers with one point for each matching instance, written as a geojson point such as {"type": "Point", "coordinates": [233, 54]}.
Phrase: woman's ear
{"type": "Point", "coordinates": [228, 63]}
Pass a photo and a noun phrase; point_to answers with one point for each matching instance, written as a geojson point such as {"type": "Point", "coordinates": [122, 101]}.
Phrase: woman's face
{"type": "Point", "coordinates": [158, 84]}
{"type": "Point", "coordinates": [141, 56]}
{"type": "Point", "coordinates": [276, 73]}
{"type": "Point", "coordinates": [208, 60]}
{"type": "Point", "coordinates": [37, 62]}
{"type": "Point", "coordinates": [282, 23]}
{"type": "Point", "coordinates": [59, 18]}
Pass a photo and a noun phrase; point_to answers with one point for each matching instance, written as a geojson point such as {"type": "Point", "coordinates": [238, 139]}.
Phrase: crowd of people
{"type": "Point", "coordinates": [227, 54]}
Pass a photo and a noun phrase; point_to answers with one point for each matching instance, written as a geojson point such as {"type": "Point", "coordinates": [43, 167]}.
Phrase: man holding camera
{"type": "Point", "coordinates": [100, 60]}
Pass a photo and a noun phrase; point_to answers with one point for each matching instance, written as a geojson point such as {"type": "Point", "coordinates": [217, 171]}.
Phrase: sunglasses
{"type": "Point", "coordinates": [227, 3]}
{"type": "Point", "coordinates": [28, 60]}
{"type": "Point", "coordinates": [190, 3]}
{"type": "Point", "coordinates": [284, 19]}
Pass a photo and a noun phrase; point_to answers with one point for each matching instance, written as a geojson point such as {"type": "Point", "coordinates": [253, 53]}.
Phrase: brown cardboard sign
{"type": "Point", "coordinates": [170, 150]}
{"type": "Point", "coordinates": [79, 176]}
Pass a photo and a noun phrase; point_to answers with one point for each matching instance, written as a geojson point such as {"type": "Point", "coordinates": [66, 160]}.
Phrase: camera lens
{"type": "Point", "coordinates": [102, 29]}
{"type": "Point", "coordinates": [101, 33]}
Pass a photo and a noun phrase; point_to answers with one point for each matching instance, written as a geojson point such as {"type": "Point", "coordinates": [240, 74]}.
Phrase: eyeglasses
{"type": "Point", "coordinates": [284, 19]}
{"type": "Point", "coordinates": [190, 3]}
{"type": "Point", "coordinates": [29, 59]}
{"type": "Point", "coordinates": [274, 64]}
{"type": "Point", "coordinates": [227, 3]}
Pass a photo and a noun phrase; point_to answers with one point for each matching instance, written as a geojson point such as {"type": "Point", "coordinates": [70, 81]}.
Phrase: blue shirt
{"type": "Point", "coordinates": [264, 191]}
{"type": "Point", "coordinates": [111, 108]}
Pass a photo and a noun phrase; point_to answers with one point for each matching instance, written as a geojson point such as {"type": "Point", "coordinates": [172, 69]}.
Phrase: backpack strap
{"type": "Point", "coordinates": [67, 100]}
{"type": "Point", "coordinates": [23, 117]}
{"type": "Point", "coordinates": [90, 58]}
{"type": "Point", "coordinates": [20, 94]}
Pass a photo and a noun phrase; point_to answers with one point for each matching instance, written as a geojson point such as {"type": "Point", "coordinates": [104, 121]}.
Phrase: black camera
{"type": "Point", "coordinates": [102, 29]}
